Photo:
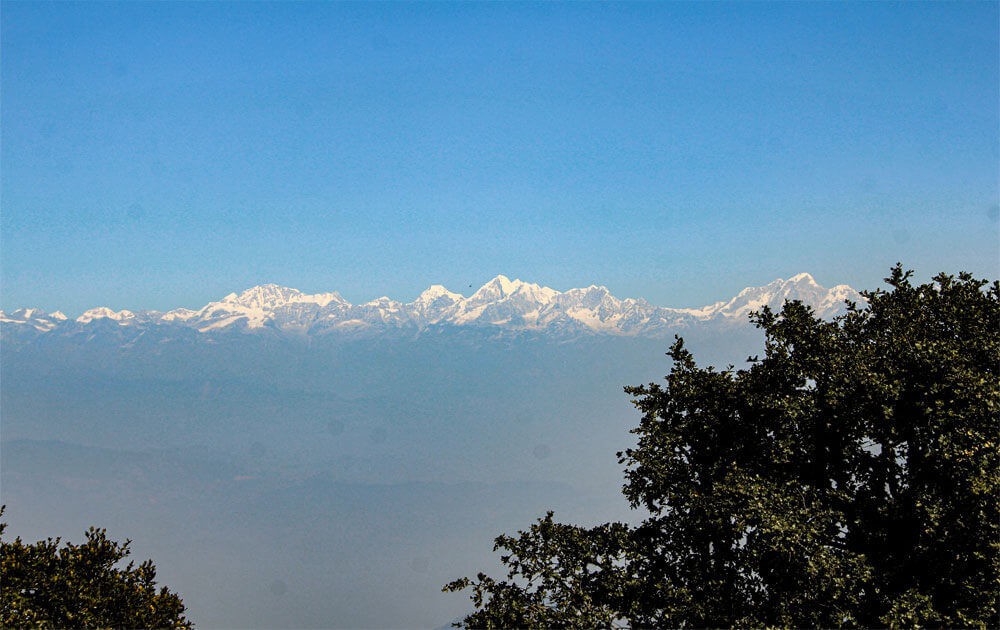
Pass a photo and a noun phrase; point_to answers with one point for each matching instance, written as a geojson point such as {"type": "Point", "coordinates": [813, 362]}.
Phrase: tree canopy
{"type": "Point", "coordinates": [79, 586]}
{"type": "Point", "coordinates": [850, 477]}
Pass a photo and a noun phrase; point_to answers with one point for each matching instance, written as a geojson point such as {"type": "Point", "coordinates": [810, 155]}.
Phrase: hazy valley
{"type": "Point", "coordinates": [286, 471]}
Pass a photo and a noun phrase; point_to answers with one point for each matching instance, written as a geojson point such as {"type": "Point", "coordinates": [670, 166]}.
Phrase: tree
{"type": "Point", "coordinates": [78, 586]}
{"type": "Point", "coordinates": [851, 477]}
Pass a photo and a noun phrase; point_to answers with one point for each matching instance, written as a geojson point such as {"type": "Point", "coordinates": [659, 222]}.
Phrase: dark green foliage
{"type": "Point", "coordinates": [77, 586]}
{"type": "Point", "coordinates": [851, 477]}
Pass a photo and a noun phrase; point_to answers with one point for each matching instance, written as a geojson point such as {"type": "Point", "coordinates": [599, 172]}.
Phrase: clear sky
{"type": "Point", "coordinates": [164, 154]}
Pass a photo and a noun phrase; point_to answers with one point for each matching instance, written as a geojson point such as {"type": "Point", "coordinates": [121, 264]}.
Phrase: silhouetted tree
{"type": "Point", "coordinates": [43, 585]}
{"type": "Point", "coordinates": [851, 477]}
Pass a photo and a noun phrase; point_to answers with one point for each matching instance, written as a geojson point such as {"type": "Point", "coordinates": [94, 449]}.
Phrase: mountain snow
{"type": "Point", "coordinates": [103, 312]}
{"type": "Point", "coordinates": [501, 303]}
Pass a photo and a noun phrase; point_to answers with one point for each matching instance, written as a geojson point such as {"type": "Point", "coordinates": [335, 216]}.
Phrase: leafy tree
{"type": "Point", "coordinates": [77, 586]}
{"type": "Point", "coordinates": [851, 477]}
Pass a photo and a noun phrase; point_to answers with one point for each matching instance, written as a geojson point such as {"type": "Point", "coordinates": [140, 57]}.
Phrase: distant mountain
{"type": "Point", "coordinates": [34, 318]}
{"type": "Point", "coordinates": [501, 304]}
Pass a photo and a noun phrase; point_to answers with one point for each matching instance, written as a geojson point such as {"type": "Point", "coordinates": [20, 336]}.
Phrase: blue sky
{"type": "Point", "coordinates": [164, 154]}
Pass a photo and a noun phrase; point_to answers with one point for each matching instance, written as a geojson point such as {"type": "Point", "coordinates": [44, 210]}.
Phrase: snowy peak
{"type": "Point", "coordinates": [502, 287]}
{"type": "Point", "coordinates": [179, 314]}
{"type": "Point", "coordinates": [263, 297]}
{"type": "Point", "coordinates": [267, 297]}
{"type": "Point", "coordinates": [384, 302]}
{"type": "Point", "coordinates": [501, 303]}
{"type": "Point", "coordinates": [33, 318]}
{"type": "Point", "coordinates": [434, 304]}
{"type": "Point", "coordinates": [263, 305]}
{"type": "Point", "coordinates": [803, 278]}
{"type": "Point", "coordinates": [803, 287]}
{"type": "Point", "coordinates": [437, 292]}
{"type": "Point", "coordinates": [251, 308]}
{"type": "Point", "coordinates": [496, 289]}
{"type": "Point", "coordinates": [504, 302]}
{"type": "Point", "coordinates": [103, 312]}
{"type": "Point", "coordinates": [590, 297]}
{"type": "Point", "coordinates": [323, 299]}
{"type": "Point", "coordinates": [837, 296]}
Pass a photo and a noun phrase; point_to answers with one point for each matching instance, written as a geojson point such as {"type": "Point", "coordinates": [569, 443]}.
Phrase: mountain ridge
{"type": "Point", "coordinates": [501, 303]}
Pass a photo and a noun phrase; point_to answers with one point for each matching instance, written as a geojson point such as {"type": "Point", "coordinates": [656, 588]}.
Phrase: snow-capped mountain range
{"type": "Point", "coordinates": [501, 304]}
